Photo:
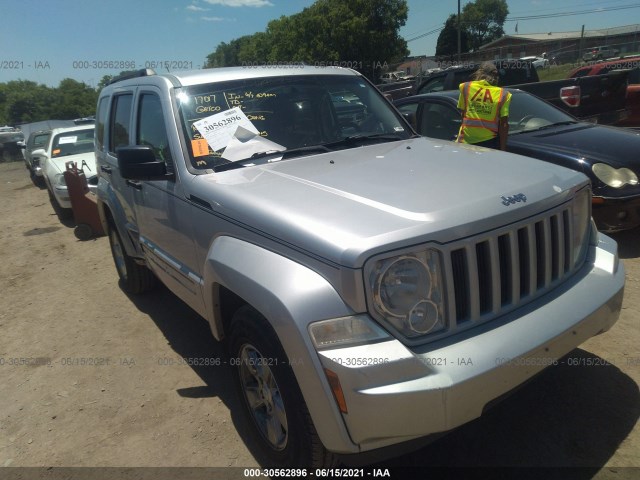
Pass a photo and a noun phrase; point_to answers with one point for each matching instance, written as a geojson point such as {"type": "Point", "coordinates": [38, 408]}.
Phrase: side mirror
{"type": "Point", "coordinates": [137, 162]}
{"type": "Point", "coordinates": [40, 152]}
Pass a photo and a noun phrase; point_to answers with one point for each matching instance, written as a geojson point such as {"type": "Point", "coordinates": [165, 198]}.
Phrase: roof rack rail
{"type": "Point", "coordinates": [144, 72]}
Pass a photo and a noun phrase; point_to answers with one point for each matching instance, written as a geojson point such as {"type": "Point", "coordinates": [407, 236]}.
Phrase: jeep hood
{"type": "Point", "coordinates": [347, 205]}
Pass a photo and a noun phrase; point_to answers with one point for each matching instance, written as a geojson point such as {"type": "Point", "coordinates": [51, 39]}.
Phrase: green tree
{"type": "Point", "coordinates": [74, 99]}
{"type": "Point", "coordinates": [358, 33]}
{"type": "Point", "coordinates": [23, 101]}
{"type": "Point", "coordinates": [483, 21]}
{"type": "Point", "coordinates": [448, 38]}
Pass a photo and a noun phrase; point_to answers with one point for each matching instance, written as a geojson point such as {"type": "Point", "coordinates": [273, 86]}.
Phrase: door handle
{"type": "Point", "coordinates": [136, 185]}
{"type": "Point", "coordinates": [105, 169]}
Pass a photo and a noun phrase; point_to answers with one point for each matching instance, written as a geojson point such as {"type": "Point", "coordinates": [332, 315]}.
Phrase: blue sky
{"type": "Point", "coordinates": [46, 41]}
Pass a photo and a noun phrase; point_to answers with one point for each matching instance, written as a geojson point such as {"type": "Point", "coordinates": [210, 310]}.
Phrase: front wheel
{"type": "Point", "coordinates": [283, 433]}
{"type": "Point", "coordinates": [135, 278]}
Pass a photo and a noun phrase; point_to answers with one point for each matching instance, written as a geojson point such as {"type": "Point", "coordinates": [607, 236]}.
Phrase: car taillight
{"type": "Point", "coordinates": [570, 96]}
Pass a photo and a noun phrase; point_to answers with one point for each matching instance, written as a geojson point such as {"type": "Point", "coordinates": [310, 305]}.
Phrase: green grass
{"type": "Point", "coordinates": [555, 72]}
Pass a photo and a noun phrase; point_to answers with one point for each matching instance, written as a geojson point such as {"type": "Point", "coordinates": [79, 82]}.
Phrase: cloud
{"type": "Point", "coordinates": [214, 19]}
{"type": "Point", "coordinates": [241, 3]}
{"type": "Point", "coordinates": [194, 8]}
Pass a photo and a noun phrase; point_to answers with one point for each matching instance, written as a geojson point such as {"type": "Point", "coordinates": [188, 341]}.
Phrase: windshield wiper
{"type": "Point", "coordinates": [543, 127]}
{"type": "Point", "coordinates": [271, 153]}
{"type": "Point", "coordinates": [557, 124]}
{"type": "Point", "coordinates": [360, 138]}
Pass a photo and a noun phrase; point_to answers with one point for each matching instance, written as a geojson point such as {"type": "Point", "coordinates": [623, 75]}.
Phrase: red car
{"type": "Point", "coordinates": [633, 88]}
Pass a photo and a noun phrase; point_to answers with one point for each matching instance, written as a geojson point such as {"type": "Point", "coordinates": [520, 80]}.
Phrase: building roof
{"type": "Point", "coordinates": [550, 36]}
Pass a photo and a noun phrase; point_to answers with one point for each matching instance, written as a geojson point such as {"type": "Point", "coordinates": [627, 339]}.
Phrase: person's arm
{"type": "Point", "coordinates": [503, 132]}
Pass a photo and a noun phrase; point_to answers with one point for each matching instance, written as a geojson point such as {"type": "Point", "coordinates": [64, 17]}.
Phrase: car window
{"type": "Point", "coordinates": [72, 142]}
{"type": "Point", "coordinates": [433, 85]}
{"type": "Point", "coordinates": [439, 121]}
{"type": "Point", "coordinates": [120, 122]}
{"type": "Point", "coordinates": [151, 130]}
{"type": "Point", "coordinates": [40, 140]}
{"type": "Point", "coordinates": [409, 111]}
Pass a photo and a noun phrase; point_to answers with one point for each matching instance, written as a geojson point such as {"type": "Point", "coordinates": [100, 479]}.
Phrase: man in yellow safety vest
{"type": "Point", "coordinates": [485, 109]}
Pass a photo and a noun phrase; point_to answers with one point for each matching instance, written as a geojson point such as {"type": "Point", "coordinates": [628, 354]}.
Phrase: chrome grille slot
{"type": "Point", "coordinates": [497, 272]}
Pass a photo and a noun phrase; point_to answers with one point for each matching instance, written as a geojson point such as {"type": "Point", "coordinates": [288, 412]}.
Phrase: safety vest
{"type": "Point", "coordinates": [483, 105]}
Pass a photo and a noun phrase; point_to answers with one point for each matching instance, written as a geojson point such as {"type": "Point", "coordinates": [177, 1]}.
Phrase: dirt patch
{"type": "Point", "coordinates": [93, 377]}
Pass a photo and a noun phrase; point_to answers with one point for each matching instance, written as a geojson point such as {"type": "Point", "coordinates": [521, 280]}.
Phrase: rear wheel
{"type": "Point", "coordinates": [274, 409]}
{"type": "Point", "coordinates": [135, 278]}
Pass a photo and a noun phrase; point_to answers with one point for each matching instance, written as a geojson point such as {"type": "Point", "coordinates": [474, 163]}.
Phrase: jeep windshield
{"type": "Point", "coordinates": [259, 120]}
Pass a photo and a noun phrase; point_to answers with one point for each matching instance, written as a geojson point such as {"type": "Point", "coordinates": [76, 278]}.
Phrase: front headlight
{"type": "Point", "coordinates": [407, 292]}
{"type": "Point", "coordinates": [614, 177]}
{"type": "Point", "coordinates": [581, 221]}
{"type": "Point", "coordinates": [59, 180]}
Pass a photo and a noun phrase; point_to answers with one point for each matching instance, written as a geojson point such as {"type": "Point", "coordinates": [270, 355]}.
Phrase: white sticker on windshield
{"type": "Point", "coordinates": [218, 129]}
{"type": "Point", "coordinates": [63, 140]}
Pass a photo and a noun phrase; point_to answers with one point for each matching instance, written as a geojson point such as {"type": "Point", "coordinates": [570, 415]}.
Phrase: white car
{"type": "Point", "coordinates": [537, 62]}
{"type": "Point", "coordinates": [67, 145]}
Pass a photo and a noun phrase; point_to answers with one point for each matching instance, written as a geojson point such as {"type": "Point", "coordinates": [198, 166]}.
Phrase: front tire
{"type": "Point", "coordinates": [283, 434]}
{"type": "Point", "coordinates": [133, 277]}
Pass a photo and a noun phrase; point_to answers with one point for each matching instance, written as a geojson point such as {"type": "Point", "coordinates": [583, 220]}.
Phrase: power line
{"type": "Point", "coordinates": [541, 16]}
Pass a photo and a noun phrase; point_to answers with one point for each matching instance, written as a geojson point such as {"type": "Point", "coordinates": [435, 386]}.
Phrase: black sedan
{"type": "Point", "coordinates": [609, 156]}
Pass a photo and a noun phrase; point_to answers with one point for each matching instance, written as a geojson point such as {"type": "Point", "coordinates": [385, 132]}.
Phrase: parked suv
{"type": "Point", "coordinates": [599, 53]}
{"type": "Point", "coordinates": [373, 287]}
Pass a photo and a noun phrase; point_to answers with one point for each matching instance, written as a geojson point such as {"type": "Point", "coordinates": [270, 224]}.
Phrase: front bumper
{"type": "Point", "coordinates": [617, 214]}
{"type": "Point", "coordinates": [395, 393]}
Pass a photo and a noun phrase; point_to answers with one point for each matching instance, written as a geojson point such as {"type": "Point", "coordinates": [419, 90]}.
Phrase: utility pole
{"type": "Point", "coordinates": [459, 46]}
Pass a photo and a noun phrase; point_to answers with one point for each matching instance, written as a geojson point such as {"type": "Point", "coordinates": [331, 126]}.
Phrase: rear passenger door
{"type": "Point", "coordinates": [113, 130]}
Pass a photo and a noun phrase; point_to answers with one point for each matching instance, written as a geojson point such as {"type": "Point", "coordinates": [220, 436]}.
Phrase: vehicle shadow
{"type": "Point", "coordinates": [628, 244]}
{"type": "Point", "coordinates": [189, 335]}
{"type": "Point", "coordinates": [574, 415]}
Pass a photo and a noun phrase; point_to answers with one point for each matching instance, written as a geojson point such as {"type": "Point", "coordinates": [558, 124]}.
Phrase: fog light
{"type": "Point", "coordinates": [622, 215]}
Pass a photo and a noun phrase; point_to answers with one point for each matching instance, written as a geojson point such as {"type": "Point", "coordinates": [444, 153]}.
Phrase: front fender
{"type": "Point", "coordinates": [290, 296]}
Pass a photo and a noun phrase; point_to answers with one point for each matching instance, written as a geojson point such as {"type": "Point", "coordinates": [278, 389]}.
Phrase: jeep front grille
{"type": "Point", "coordinates": [493, 273]}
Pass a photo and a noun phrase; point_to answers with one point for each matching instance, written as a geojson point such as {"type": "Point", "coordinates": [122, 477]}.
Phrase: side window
{"type": "Point", "coordinates": [434, 85]}
{"type": "Point", "coordinates": [408, 111]}
{"type": "Point", "coordinates": [120, 122]}
{"type": "Point", "coordinates": [151, 130]}
{"type": "Point", "coordinates": [101, 122]}
{"type": "Point", "coordinates": [40, 140]}
{"type": "Point", "coordinates": [439, 121]}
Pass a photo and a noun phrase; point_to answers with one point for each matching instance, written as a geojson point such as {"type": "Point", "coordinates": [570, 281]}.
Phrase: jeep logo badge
{"type": "Point", "coordinates": [519, 197]}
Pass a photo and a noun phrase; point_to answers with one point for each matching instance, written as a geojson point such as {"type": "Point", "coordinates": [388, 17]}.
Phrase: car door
{"type": "Point", "coordinates": [163, 214]}
{"type": "Point", "coordinates": [113, 130]}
